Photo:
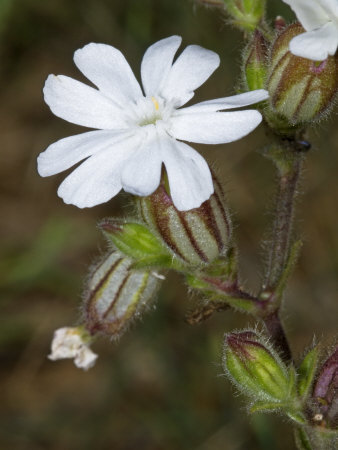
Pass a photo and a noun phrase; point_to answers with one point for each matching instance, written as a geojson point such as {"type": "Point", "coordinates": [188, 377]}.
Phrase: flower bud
{"type": "Point", "coordinates": [255, 368]}
{"type": "Point", "coordinates": [301, 90]}
{"type": "Point", "coordinates": [197, 236]}
{"type": "Point", "coordinates": [116, 294]}
{"type": "Point", "coordinates": [74, 343]}
{"type": "Point", "coordinates": [255, 60]}
{"type": "Point", "coordinates": [135, 240]}
{"type": "Point", "coordinates": [325, 393]}
{"type": "Point", "coordinates": [245, 14]}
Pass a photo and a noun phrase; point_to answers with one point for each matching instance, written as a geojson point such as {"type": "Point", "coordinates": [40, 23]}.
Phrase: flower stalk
{"type": "Point", "coordinates": [288, 161]}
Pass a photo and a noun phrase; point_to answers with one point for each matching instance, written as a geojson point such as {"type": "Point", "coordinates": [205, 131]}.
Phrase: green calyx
{"type": "Point", "coordinates": [246, 14]}
{"type": "Point", "coordinates": [255, 60]}
{"type": "Point", "coordinates": [136, 241]}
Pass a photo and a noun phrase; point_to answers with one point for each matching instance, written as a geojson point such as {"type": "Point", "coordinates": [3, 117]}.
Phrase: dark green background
{"type": "Point", "coordinates": [161, 387]}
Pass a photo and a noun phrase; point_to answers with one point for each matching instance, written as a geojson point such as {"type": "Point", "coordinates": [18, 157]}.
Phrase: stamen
{"type": "Point", "coordinates": [157, 106]}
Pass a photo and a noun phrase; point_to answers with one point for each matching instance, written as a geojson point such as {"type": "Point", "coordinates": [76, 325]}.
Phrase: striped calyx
{"type": "Point", "coordinates": [301, 90]}
{"type": "Point", "coordinates": [116, 294]}
{"type": "Point", "coordinates": [197, 236]}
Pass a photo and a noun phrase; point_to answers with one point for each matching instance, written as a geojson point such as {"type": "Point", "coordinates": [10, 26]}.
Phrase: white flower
{"type": "Point", "coordinates": [72, 343]}
{"type": "Point", "coordinates": [320, 20]}
{"type": "Point", "coordinates": [137, 133]}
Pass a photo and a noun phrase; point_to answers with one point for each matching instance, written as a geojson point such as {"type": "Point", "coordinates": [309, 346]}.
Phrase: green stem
{"type": "Point", "coordinates": [289, 167]}
{"type": "Point", "coordinates": [277, 334]}
{"type": "Point", "coordinates": [288, 158]}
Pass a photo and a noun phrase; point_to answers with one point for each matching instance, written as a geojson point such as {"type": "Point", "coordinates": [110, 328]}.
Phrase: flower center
{"type": "Point", "coordinates": [157, 106]}
{"type": "Point", "coordinates": [149, 111]}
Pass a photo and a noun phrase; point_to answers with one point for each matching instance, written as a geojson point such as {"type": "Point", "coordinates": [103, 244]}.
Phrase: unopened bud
{"type": "Point", "coordinates": [301, 90]}
{"type": "Point", "coordinates": [325, 394]}
{"type": "Point", "coordinates": [255, 368]}
{"type": "Point", "coordinates": [135, 240]}
{"type": "Point", "coordinates": [197, 236]}
{"type": "Point", "coordinates": [117, 294]}
{"type": "Point", "coordinates": [255, 61]}
{"type": "Point", "coordinates": [246, 14]}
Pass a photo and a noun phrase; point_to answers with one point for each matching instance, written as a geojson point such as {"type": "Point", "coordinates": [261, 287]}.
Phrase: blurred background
{"type": "Point", "coordinates": [161, 386]}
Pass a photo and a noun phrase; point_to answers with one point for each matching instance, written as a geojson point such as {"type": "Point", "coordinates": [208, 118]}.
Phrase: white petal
{"type": "Point", "coordinates": [316, 44]}
{"type": "Point", "coordinates": [188, 173]}
{"type": "Point", "coordinates": [69, 151]}
{"type": "Point", "coordinates": [65, 344]}
{"type": "Point", "coordinates": [331, 7]}
{"type": "Point", "coordinates": [191, 69]}
{"type": "Point", "coordinates": [98, 179]}
{"type": "Point", "coordinates": [81, 104]}
{"type": "Point", "coordinates": [157, 62]}
{"type": "Point", "coordinates": [309, 13]}
{"type": "Point", "coordinates": [107, 68]}
{"type": "Point", "coordinates": [142, 172]}
{"type": "Point", "coordinates": [214, 128]}
{"type": "Point", "coordinates": [85, 358]}
{"type": "Point", "coordinates": [218, 104]}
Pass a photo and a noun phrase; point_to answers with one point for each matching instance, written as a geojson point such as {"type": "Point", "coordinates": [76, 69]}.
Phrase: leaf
{"type": "Point", "coordinates": [302, 440]}
{"type": "Point", "coordinates": [306, 372]}
{"type": "Point", "coordinates": [265, 406]}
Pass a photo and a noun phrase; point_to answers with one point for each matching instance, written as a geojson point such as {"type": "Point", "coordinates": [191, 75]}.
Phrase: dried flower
{"type": "Point", "coordinates": [73, 342]}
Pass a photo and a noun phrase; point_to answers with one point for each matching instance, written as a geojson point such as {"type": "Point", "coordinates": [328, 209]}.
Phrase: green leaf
{"type": "Point", "coordinates": [306, 372]}
{"type": "Point", "coordinates": [302, 440]}
{"type": "Point", "coordinates": [296, 416]}
{"type": "Point", "coordinates": [265, 407]}
{"type": "Point", "coordinates": [291, 262]}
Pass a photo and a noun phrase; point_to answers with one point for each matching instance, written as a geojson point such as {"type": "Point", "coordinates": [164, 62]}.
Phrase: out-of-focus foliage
{"type": "Point", "coordinates": [159, 387]}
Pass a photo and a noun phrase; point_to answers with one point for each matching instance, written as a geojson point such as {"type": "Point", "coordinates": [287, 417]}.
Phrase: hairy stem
{"type": "Point", "coordinates": [288, 158]}
{"type": "Point", "coordinates": [283, 223]}
{"type": "Point", "coordinates": [276, 331]}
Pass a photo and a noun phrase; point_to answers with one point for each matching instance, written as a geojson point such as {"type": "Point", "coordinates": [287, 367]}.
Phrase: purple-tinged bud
{"type": "Point", "coordinates": [325, 394]}
{"type": "Point", "coordinates": [255, 367]}
{"type": "Point", "coordinates": [301, 90]}
{"type": "Point", "coordinates": [116, 294]}
{"type": "Point", "coordinates": [255, 61]}
{"type": "Point", "coordinates": [197, 236]}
